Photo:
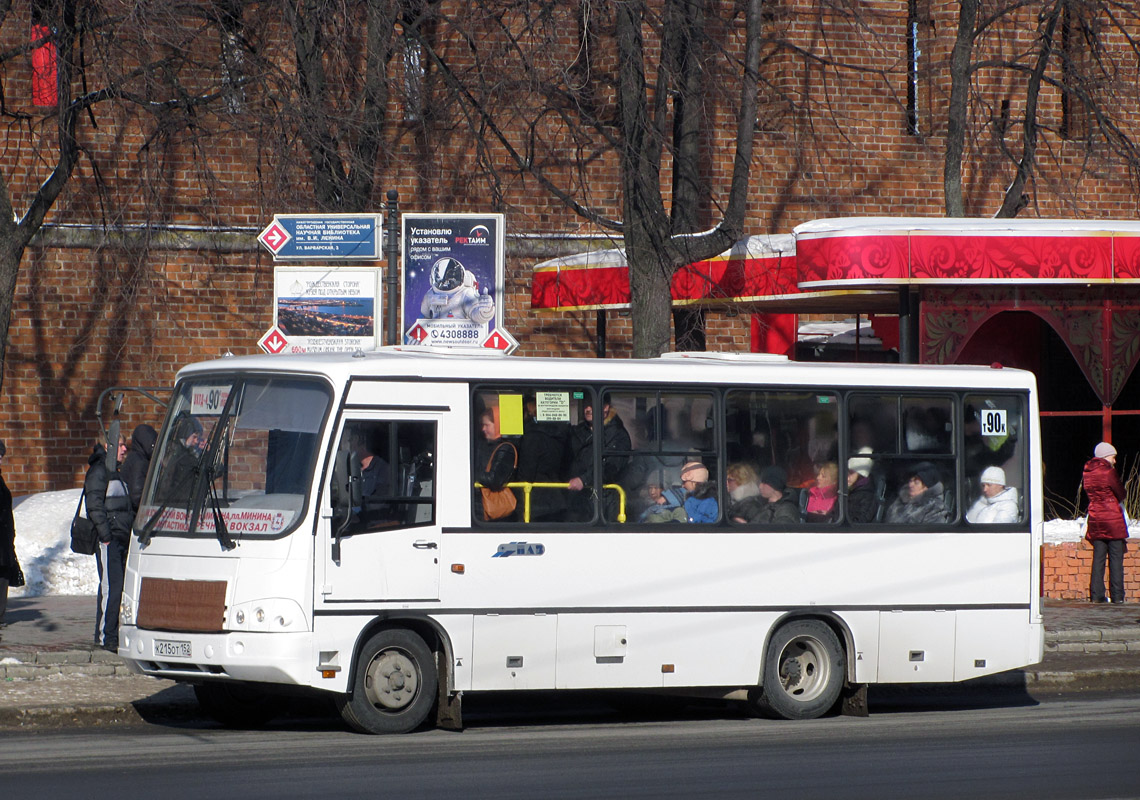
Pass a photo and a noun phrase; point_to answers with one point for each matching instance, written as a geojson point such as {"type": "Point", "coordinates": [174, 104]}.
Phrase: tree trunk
{"type": "Point", "coordinates": [956, 119]}
{"type": "Point", "coordinates": [1015, 198]}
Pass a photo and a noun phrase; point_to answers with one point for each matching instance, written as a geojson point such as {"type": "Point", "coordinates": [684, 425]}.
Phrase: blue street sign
{"type": "Point", "coordinates": [323, 236]}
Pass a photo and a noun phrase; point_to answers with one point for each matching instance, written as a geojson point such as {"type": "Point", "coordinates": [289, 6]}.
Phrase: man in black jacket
{"type": "Point", "coordinates": [109, 508]}
{"type": "Point", "coordinates": [137, 461]}
{"type": "Point", "coordinates": [615, 458]}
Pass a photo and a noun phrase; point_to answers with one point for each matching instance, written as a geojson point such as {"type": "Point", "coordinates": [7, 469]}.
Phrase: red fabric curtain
{"type": "Point", "coordinates": [45, 91]}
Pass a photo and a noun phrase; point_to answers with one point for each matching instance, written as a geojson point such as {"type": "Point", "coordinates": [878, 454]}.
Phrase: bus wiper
{"type": "Point", "coordinates": [220, 528]}
{"type": "Point", "coordinates": [204, 475]}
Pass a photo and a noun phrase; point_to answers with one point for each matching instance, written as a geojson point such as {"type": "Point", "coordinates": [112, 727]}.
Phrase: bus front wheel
{"type": "Point", "coordinates": [803, 672]}
{"type": "Point", "coordinates": [394, 685]}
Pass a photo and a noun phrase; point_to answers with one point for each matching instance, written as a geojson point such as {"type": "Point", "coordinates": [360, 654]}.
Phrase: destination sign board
{"type": "Point", "coordinates": [294, 237]}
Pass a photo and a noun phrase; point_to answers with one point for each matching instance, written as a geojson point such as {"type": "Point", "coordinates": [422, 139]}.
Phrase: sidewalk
{"type": "Point", "coordinates": [51, 673]}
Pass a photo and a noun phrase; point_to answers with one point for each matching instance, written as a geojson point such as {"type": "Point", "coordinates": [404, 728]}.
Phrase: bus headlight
{"type": "Point", "coordinates": [269, 614]}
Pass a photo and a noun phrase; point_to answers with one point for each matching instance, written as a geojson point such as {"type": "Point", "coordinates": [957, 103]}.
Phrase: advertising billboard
{"type": "Point", "coordinates": [453, 278]}
{"type": "Point", "coordinates": [327, 310]}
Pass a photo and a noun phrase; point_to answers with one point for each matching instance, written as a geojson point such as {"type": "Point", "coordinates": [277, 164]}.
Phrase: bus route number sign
{"type": "Point", "coordinates": [993, 422]}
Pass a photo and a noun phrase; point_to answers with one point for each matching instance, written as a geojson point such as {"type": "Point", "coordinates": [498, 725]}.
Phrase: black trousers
{"type": "Point", "coordinates": [1113, 549]}
{"type": "Point", "coordinates": [111, 560]}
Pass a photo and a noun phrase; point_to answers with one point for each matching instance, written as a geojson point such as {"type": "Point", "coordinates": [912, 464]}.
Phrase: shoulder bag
{"type": "Point", "coordinates": [84, 537]}
{"type": "Point", "coordinates": [501, 503]}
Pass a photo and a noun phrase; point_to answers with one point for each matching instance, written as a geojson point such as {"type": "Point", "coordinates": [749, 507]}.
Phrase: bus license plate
{"type": "Point", "coordinates": [169, 648]}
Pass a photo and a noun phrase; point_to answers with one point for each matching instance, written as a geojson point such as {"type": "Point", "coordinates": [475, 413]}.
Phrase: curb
{"type": "Point", "coordinates": [43, 664]}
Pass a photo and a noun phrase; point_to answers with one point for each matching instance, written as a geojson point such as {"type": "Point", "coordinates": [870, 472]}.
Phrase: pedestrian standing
{"type": "Point", "coordinates": [137, 462]}
{"type": "Point", "coordinates": [1107, 525]}
{"type": "Point", "coordinates": [109, 507]}
{"type": "Point", "coordinates": [10, 572]}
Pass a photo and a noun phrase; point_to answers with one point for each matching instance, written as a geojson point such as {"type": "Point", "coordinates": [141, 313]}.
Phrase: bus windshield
{"type": "Point", "coordinates": [236, 458]}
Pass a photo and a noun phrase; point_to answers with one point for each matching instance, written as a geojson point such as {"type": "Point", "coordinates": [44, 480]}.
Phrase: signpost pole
{"type": "Point", "coordinates": [391, 278]}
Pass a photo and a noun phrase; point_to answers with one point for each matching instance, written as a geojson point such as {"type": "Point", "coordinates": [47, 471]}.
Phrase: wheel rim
{"type": "Point", "coordinates": [804, 668]}
{"type": "Point", "coordinates": [392, 680]}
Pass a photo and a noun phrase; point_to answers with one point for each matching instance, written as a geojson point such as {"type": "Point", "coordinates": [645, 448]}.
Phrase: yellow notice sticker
{"type": "Point", "coordinates": [510, 415]}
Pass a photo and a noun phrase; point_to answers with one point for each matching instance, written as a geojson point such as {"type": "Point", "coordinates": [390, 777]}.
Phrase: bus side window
{"type": "Point", "coordinates": [994, 458]}
{"type": "Point", "coordinates": [393, 466]}
{"type": "Point", "coordinates": [543, 427]}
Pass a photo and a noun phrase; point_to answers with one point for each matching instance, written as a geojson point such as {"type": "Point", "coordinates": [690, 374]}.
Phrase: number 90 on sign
{"type": "Point", "coordinates": [993, 422]}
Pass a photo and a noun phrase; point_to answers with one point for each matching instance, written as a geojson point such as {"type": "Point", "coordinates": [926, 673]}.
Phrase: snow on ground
{"type": "Point", "coordinates": [43, 544]}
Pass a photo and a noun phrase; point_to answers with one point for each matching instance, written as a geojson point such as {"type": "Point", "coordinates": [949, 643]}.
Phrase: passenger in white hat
{"type": "Point", "coordinates": [998, 502]}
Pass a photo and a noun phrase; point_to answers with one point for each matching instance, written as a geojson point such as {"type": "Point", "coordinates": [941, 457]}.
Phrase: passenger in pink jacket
{"type": "Point", "coordinates": [1106, 528]}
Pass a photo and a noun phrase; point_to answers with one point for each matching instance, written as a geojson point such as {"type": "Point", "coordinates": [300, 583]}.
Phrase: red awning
{"type": "Point", "coordinates": [753, 268]}
{"type": "Point", "coordinates": [856, 265]}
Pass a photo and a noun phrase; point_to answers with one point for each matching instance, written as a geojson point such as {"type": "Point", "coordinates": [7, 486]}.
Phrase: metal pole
{"type": "Point", "coordinates": [391, 277]}
{"type": "Point", "coordinates": [907, 344]}
{"type": "Point", "coordinates": [600, 342]}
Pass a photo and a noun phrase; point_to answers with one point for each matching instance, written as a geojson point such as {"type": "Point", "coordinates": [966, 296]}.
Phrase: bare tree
{"type": "Point", "coordinates": [154, 62]}
{"type": "Point", "coordinates": [638, 88]}
{"type": "Point", "coordinates": [338, 104]}
{"type": "Point", "coordinates": [1071, 56]}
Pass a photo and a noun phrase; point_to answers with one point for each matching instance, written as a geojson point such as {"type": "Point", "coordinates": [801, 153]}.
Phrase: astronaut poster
{"type": "Point", "coordinates": [453, 277]}
{"type": "Point", "coordinates": [327, 310]}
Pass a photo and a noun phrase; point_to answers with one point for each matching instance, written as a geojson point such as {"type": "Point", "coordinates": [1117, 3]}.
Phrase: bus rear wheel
{"type": "Point", "coordinates": [803, 672]}
{"type": "Point", "coordinates": [394, 686]}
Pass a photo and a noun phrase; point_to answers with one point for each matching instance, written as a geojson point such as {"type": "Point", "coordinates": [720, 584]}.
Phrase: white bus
{"type": "Point", "coordinates": [315, 523]}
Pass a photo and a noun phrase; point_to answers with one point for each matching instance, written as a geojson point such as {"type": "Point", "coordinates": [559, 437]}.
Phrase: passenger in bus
{"type": "Point", "coordinates": [178, 474]}
{"type": "Point", "coordinates": [920, 499]}
{"type": "Point", "coordinates": [616, 445]}
{"type": "Point", "coordinates": [862, 505]}
{"type": "Point", "coordinates": [927, 430]}
{"type": "Point", "coordinates": [542, 456]}
{"type": "Point", "coordinates": [375, 475]}
{"type": "Point", "coordinates": [822, 499]}
{"type": "Point", "coordinates": [823, 437]}
{"type": "Point", "coordinates": [998, 502]}
{"type": "Point", "coordinates": [741, 482]}
{"type": "Point", "coordinates": [700, 494]}
{"type": "Point", "coordinates": [495, 463]}
{"type": "Point", "coordinates": [980, 452]}
{"type": "Point", "coordinates": [771, 505]}
{"type": "Point", "coordinates": [665, 504]}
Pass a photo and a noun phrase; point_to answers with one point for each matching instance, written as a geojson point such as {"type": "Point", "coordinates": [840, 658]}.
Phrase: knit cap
{"type": "Point", "coordinates": [775, 477]}
{"type": "Point", "coordinates": [1104, 450]}
{"type": "Point", "coordinates": [695, 471]}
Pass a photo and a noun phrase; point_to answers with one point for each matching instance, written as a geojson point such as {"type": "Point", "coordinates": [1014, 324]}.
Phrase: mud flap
{"type": "Point", "coordinates": [449, 705]}
{"type": "Point", "coordinates": [853, 700]}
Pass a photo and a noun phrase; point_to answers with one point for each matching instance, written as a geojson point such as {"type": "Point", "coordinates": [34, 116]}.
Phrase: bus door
{"type": "Point", "coordinates": [380, 529]}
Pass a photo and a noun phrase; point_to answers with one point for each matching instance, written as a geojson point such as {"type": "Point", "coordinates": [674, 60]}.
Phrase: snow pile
{"type": "Point", "coordinates": [43, 545]}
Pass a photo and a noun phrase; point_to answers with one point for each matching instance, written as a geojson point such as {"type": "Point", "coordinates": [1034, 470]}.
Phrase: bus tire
{"type": "Point", "coordinates": [394, 686]}
{"type": "Point", "coordinates": [804, 668]}
{"type": "Point", "coordinates": [237, 705]}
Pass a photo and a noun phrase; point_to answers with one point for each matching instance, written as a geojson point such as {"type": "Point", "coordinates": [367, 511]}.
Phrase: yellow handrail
{"type": "Point", "coordinates": [527, 486]}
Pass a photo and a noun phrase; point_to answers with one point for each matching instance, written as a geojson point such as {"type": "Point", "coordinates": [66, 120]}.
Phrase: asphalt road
{"type": "Point", "coordinates": [1082, 747]}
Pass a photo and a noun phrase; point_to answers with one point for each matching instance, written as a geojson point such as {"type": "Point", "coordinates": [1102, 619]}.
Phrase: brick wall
{"type": "Point", "coordinates": [831, 141]}
{"type": "Point", "coordinates": [1068, 566]}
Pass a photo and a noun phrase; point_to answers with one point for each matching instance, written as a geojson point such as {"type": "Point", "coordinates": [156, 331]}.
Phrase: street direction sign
{"type": "Point", "coordinates": [500, 339]}
{"type": "Point", "coordinates": [273, 341]}
{"type": "Point", "coordinates": [295, 237]}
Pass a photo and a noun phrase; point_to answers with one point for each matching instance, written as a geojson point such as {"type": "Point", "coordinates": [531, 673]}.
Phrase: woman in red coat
{"type": "Point", "coordinates": [1106, 528]}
